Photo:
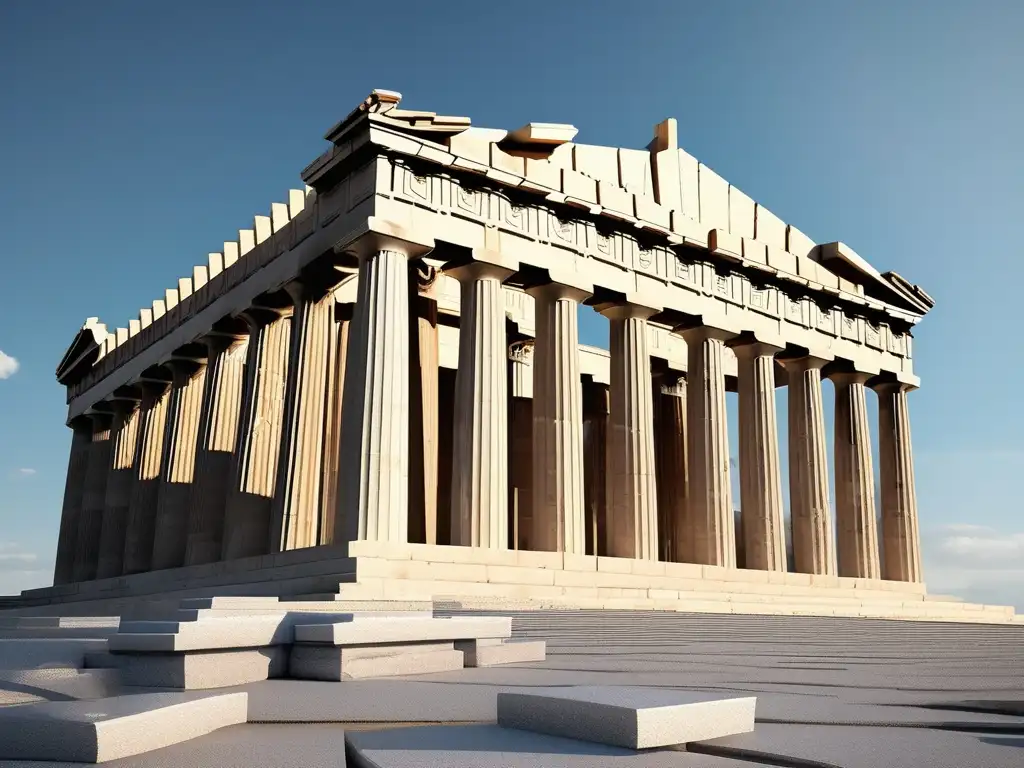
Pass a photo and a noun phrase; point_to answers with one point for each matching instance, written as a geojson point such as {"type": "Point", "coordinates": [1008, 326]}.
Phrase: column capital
{"type": "Point", "coordinates": [803, 363]}
{"type": "Point", "coordinates": [480, 270]}
{"type": "Point", "coordinates": [556, 290]}
{"type": "Point", "coordinates": [847, 378]}
{"type": "Point", "coordinates": [750, 348]}
{"type": "Point", "coordinates": [700, 333]}
{"type": "Point", "coordinates": [625, 310]}
{"type": "Point", "coordinates": [889, 386]}
{"type": "Point", "coordinates": [384, 235]}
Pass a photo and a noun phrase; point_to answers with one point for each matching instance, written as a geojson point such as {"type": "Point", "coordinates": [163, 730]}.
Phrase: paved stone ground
{"type": "Point", "coordinates": [855, 693]}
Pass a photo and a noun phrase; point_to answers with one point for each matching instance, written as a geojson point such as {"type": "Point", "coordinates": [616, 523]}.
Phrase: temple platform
{"type": "Point", "coordinates": [413, 576]}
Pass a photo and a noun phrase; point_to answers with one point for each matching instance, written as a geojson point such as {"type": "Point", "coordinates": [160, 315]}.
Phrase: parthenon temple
{"type": "Point", "coordinates": [384, 374]}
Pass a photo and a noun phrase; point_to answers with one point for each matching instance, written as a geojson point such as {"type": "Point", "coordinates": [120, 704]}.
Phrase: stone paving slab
{"type": "Point", "coordinates": [401, 630]}
{"type": "Point", "coordinates": [330, 663]}
{"type": "Point", "coordinates": [62, 683]}
{"type": "Point", "coordinates": [487, 653]}
{"type": "Point", "coordinates": [35, 653]}
{"type": "Point", "coordinates": [490, 746]}
{"type": "Point", "coordinates": [636, 718]}
{"type": "Point", "coordinates": [202, 669]}
{"type": "Point", "coordinates": [107, 729]}
{"type": "Point", "coordinates": [237, 746]}
{"type": "Point", "coordinates": [869, 747]}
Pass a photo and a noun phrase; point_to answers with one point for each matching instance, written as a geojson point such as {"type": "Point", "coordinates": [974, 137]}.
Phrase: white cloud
{"type": "Point", "coordinates": [8, 365]}
{"type": "Point", "coordinates": [15, 558]}
{"type": "Point", "coordinates": [976, 562]}
{"type": "Point", "coordinates": [27, 471]}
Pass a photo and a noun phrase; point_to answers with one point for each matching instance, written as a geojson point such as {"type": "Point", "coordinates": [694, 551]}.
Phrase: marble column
{"type": "Point", "coordinates": [764, 535]}
{"type": "Point", "coordinates": [423, 403]}
{"type": "Point", "coordinates": [632, 494]}
{"type": "Point", "coordinates": [71, 509]}
{"type": "Point", "coordinates": [337, 352]}
{"type": "Point", "coordinates": [480, 452]}
{"type": "Point", "coordinates": [672, 466]}
{"type": "Point", "coordinates": [558, 511]}
{"type": "Point", "coordinates": [595, 472]}
{"type": "Point", "coordinates": [181, 434]}
{"type": "Point", "coordinates": [248, 508]}
{"type": "Point", "coordinates": [90, 521]}
{"type": "Point", "coordinates": [901, 537]}
{"type": "Point", "coordinates": [813, 542]}
{"type": "Point", "coordinates": [373, 477]}
{"type": "Point", "coordinates": [215, 451]}
{"type": "Point", "coordinates": [295, 517]}
{"type": "Point", "coordinates": [520, 443]}
{"type": "Point", "coordinates": [124, 433]}
{"type": "Point", "coordinates": [855, 480]}
{"type": "Point", "coordinates": [710, 522]}
{"type": "Point", "coordinates": [149, 445]}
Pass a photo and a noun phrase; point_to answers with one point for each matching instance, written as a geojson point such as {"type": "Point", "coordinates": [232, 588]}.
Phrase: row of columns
{"type": "Point", "coordinates": [250, 433]}
{"type": "Point", "coordinates": [223, 458]}
{"type": "Point", "coordinates": [706, 533]}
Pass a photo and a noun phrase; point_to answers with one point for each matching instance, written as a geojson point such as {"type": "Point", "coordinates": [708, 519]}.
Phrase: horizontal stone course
{"type": "Point", "coordinates": [404, 630]}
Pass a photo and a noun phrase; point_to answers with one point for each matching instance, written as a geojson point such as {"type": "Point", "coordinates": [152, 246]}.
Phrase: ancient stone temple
{"type": "Point", "coordinates": [381, 384]}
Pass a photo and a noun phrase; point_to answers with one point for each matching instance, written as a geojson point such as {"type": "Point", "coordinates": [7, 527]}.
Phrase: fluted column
{"type": "Point", "coordinates": [423, 403]}
{"type": "Point", "coordinates": [813, 542]}
{"type": "Point", "coordinates": [337, 352]}
{"type": "Point", "coordinates": [855, 480]}
{"type": "Point", "coordinates": [595, 452]}
{"type": "Point", "coordinates": [248, 509]}
{"type": "Point", "coordinates": [632, 492]}
{"type": "Point", "coordinates": [902, 544]}
{"type": "Point", "coordinates": [215, 451]}
{"type": "Point", "coordinates": [558, 511]}
{"type": "Point", "coordinates": [90, 522]}
{"type": "Point", "coordinates": [710, 525]}
{"type": "Point", "coordinates": [124, 434]}
{"type": "Point", "coordinates": [764, 536]}
{"type": "Point", "coordinates": [149, 444]}
{"type": "Point", "coordinates": [480, 453]}
{"type": "Point", "coordinates": [672, 469]}
{"type": "Point", "coordinates": [184, 408]}
{"type": "Point", "coordinates": [296, 510]}
{"type": "Point", "coordinates": [71, 509]}
{"type": "Point", "coordinates": [373, 479]}
{"type": "Point", "coordinates": [520, 443]}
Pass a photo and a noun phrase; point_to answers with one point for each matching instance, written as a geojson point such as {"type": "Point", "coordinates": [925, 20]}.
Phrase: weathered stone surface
{"type": "Point", "coordinates": [193, 670]}
{"type": "Point", "coordinates": [636, 718]}
{"type": "Point", "coordinates": [485, 653]}
{"type": "Point", "coordinates": [331, 663]}
{"type": "Point", "coordinates": [107, 729]}
{"type": "Point", "coordinates": [403, 630]}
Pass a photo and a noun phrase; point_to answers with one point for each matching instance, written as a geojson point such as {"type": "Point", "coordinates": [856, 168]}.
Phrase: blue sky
{"type": "Point", "coordinates": [136, 137]}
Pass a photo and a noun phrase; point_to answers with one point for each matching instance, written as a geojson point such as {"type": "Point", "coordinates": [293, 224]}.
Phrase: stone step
{"type": "Point", "coordinates": [404, 630]}
{"type": "Point", "coordinates": [109, 729]}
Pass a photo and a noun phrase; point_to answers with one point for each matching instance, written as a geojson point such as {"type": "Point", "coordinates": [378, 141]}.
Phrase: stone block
{"type": "Point", "coordinates": [486, 653]}
{"type": "Point", "coordinates": [636, 718]}
{"type": "Point", "coordinates": [571, 562]}
{"type": "Point", "coordinates": [500, 574]}
{"type": "Point", "coordinates": [528, 559]}
{"type": "Point", "coordinates": [329, 664]}
{"type": "Point", "coordinates": [230, 632]}
{"type": "Point", "coordinates": [108, 729]}
{"type": "Point", "coordinates": [202, 669]}
{"type": "Point", "coordinates": [365, 631]}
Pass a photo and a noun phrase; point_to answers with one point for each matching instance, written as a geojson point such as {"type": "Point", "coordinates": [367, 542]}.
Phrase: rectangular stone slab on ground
{"type": "Point", "coordinates": [329, 663]}
{"type": "Point", "coordinates": [401, 630]}
{"type": "Point", "coordinates": [638, 718]}
{"type": "Point", "coordinates": [488, 653]}
{"type": "Point", "coordinates": [195, 670]}
{"type": "Point", "coordinates": [107, 729]}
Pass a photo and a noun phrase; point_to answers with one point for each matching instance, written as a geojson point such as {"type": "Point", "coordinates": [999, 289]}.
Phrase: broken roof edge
{"type": "Point", "coordinates": [88, 343]}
